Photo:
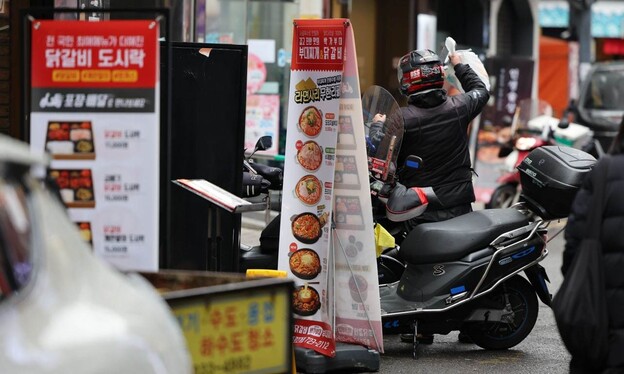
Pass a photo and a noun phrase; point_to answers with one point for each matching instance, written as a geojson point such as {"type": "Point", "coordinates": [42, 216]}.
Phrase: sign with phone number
{"type": "Point", "coordinates": [238, 333]}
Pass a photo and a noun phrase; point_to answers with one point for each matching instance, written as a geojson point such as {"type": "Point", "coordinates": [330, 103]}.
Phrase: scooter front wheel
{"type": "Point", "coordinates": [518, 297]}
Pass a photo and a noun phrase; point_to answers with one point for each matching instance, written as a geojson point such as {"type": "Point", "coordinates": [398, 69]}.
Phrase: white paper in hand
{"type": "Point", "coordinates": [467, 57]}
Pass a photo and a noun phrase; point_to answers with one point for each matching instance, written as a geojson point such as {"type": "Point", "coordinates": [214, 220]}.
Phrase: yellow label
{"type": "Point", "coordinates": [127, 76]}
{"type": "Point", "coordinates": [241, 332]}
{"type": "Point", "coordinates": [95, 75]}
{"type": "Point", "coordinates": [269, 273]}
{"type": "Point", "coordinates": [66, 75]}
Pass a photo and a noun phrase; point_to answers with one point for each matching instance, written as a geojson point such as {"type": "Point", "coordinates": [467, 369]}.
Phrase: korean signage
{"type": "Point", "coordinates": [310, 151]}
{"type": "Point", "coordinates": [242, 332]}
{"type": "Point", "coordinates": [513, 82]}
{"type": "Point", "coordinates": [336, 297]}
{"type": "Point", "coordinates": [262, 118]}
{"type": "Point", "coordinates": [356, 295]}
{"type": "Point", "coordinates": [95, 110]}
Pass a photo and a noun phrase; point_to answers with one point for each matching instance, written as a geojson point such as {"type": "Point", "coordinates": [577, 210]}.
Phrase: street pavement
{"type": "Point", "coordinates": [541, 352]}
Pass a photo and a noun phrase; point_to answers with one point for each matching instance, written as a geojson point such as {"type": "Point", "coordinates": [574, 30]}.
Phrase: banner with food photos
{"type": "Point", "coordinates": [356, 289]}
{"type": "Point", "coordinates": [310, 156]}
{"type": "Point", "coordinates": [94, 109]}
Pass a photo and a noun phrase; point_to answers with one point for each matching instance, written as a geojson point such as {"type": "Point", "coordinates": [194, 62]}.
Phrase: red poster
{"type": "Point", "coordinates": [319, 45]}
{"type": "Point", "coordinates": [112, 54]}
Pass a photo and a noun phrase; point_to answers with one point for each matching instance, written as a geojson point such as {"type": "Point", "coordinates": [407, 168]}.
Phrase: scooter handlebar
{"type": "Point", "coordinates": [254, 184]}
{"type": "Point", "coordinates": [273, 174]}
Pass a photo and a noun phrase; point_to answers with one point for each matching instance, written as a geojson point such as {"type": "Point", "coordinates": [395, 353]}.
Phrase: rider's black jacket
{"type": "Point", "coordinates": [436, 129]}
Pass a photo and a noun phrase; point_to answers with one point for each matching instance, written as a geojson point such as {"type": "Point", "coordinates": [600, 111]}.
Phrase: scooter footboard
{"type": "Point", "coordinates": [436, 285]}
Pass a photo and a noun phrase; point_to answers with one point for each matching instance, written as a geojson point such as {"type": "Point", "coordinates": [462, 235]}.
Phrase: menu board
{"type": "Point", "coordinates": [310, 159]}
{"type": "Point", "coordinates": [333, 263]}
{"type": "Point", "coordinates": [358, 309]}
{"type": "Point", "coordinates": [95, 110]}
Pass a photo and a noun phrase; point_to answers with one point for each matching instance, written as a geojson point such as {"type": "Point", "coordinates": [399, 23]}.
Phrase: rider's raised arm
{"type": "Point", "coordinates": [476, 92]}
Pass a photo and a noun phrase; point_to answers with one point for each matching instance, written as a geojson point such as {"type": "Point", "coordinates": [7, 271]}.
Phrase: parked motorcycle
{"type": "Point", "coordinates": [260, 179]}
{"type": "Point", "coordinates": [465, 273]}
{"type": "Point", "coordinates": [532, 126]}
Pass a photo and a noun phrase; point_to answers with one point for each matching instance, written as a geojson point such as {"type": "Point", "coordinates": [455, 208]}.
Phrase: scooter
{"type": "Point", "coordinates": [465, 273]}
{"type": "Point", "coordinates": [260, 179]}
{"type": "Point", "coordinates": [521, 141]}
{"type": "Point", "coordinates": [532, 126]}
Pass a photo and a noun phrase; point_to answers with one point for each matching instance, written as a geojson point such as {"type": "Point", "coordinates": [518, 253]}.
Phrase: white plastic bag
{"type": "Point", "coordinates": [467, 57]}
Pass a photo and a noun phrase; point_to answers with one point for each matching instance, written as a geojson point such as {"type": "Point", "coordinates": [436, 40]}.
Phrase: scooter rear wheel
{"type": "Point", "coordinates": [497, 335]}
{"type": "Point", "coordinates": [503, 196]}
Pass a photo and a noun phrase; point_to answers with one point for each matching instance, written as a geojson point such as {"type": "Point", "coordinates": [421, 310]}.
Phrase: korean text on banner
{"type": "Point", "coordinates": [95, 109]}
{"type": "Point", "coordinates": [358, 309]}
{"type": "Point", "coordinates": [316, 75]}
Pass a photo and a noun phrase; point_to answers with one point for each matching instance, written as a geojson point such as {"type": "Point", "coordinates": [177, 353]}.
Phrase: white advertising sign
{"type": "Point", "coordinates": [95, 110]}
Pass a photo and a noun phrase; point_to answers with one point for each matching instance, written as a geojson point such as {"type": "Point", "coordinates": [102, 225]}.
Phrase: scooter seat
{"type": "Point", "coordinates": [457, 237]}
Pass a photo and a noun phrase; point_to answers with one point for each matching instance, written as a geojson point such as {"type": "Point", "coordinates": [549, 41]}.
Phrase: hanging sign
{"type": "Point", "coordinates": [95, 109]}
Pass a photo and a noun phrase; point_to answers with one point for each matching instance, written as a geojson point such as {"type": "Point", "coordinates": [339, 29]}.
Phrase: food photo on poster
{"type": "Point", "coordinates": [346, 138]}
{"type": "Point", "coordinates": [307, 227]}
{"type": "Point", "coordinates": [309, 190]}
{"type": "Point", "coordinates": [75, 187]}
{"type": "Point", "coordinates": [306, 300]}
{"type": "Point", "coordinates": [309, 155]}
{"type": "Point", "coordinates": [70, 140]}
{"type": "Point", "coordinates": [311, 121]}
{"type": "Point", "coordinates": [305, 263]}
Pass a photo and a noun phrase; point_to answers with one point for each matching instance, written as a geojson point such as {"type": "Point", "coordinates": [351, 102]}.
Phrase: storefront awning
{"type": "Point", "coordinates": [607, 19]}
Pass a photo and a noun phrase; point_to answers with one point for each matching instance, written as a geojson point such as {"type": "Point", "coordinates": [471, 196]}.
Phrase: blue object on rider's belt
{"type": "Point", "coordinates": [456, 290]}
{"type": "Point", "coordinates": [412, 164]}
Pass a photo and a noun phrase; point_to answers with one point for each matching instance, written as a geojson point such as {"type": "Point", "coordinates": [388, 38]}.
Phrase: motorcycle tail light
{"type": "Point", "coordinates": [525, 143]}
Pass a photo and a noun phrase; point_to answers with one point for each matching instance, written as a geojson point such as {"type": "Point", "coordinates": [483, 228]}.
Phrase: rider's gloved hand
{"type": "Point", "coordinates": [376, 131]}
{"type": "Point", "coordinates": [379, 118]}
{"type": "Point", "coordinates": [384, 193]}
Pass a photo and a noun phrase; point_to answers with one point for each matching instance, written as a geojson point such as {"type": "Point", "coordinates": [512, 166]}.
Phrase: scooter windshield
{"type": "Point", "coordinates": [15, 232]}
{"type": "Point", "coordinates": [383, 139]}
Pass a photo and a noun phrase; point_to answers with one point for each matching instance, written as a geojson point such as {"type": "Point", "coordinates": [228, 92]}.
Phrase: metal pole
{"type": "Point", "coordinates": [580, 22]}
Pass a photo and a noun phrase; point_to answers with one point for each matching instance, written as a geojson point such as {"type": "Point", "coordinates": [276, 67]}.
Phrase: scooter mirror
{"type": "Point", "coordinates": [564, 123]}
{"type": "Point", "coordinates": [504, 151]}
{"type": "Point", "coordinates": [413, 162]}
{"type": "Point", "coordinates": [264, 143]}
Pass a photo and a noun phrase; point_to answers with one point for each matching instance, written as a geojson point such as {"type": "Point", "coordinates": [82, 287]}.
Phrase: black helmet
{"type": "Point", "coordinates": [420, 70]}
